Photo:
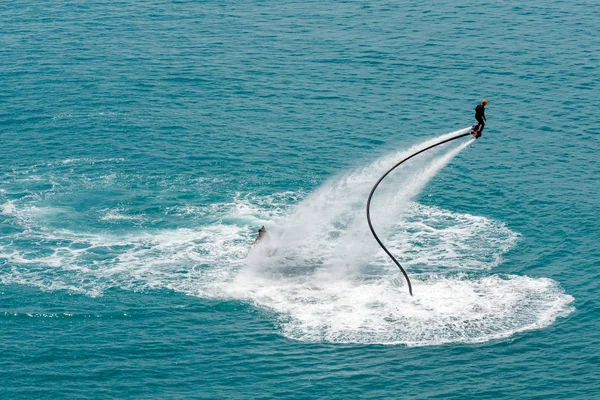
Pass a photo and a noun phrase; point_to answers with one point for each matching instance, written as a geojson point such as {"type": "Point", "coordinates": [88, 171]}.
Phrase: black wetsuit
{"type": "Point", "coordinates": [480, 117]}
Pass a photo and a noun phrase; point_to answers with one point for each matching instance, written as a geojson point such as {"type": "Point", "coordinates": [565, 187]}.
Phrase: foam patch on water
{"type": "Point", "coordinates": [429, 238]}
{"type": "Point", "coordinates": [327, 281]}
{"type": "Point", "coordinates": [91, 263]}
{"type": "Point", "coordinates": [119, 214]}
{"type": "Point", "coordinates": [444, 309]}
{"type": "Point", "coordinates": [311, 300]}
{"type": "Point", "coordinates": [87, 160]}
{"type": "Point", "coordinates": [8, 208]}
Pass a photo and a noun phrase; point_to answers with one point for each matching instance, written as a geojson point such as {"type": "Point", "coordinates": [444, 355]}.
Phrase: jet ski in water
{"type": "Point", "coordinates": [263, 244]}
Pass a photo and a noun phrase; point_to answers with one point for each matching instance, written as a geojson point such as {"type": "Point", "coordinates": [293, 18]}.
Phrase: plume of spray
{"type": "Point", "coordinates": [392, 205]}
{"type": "Point", "coordinates": [297, 277]}
{"type": "Point", "coordinates": [313, 286]}
{"type": "Point", "coordinates": [357, 246]}
{"type": "Point", "coordinates": [328, 231]}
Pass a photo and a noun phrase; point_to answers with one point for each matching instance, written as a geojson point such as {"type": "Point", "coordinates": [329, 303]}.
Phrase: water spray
{"type": "Point", "coordinates": [381, 179]}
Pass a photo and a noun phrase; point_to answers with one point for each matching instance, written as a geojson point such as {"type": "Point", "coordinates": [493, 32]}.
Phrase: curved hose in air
{"type": "Point", "coordinates": [377, 184]}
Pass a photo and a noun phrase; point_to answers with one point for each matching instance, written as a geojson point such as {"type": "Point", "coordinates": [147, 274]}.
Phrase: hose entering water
{"type": "Point", "coordinates": [375, 187]}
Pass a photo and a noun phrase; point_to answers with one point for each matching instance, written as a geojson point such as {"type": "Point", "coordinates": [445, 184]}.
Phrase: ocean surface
{"type": "Point", "coordinates": [143, 143]}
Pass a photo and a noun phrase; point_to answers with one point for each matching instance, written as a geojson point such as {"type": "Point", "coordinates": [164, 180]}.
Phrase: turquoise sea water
{"type": "Point", "coordinates": [145, 142]}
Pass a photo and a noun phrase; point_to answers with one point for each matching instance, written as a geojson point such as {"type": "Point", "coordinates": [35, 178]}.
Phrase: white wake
{"type": "Point", "coordinates": [329, 280]}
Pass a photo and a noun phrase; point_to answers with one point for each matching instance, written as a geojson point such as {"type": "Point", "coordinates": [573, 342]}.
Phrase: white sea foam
{"type": "Point", "coordinates": [8, 208]}
{"type": "Point", "coordinates": [443, 310]}
{"type": "Point", "coordinates": [87, 160]}
{"type": "Point", "coordinates": [429, 238]}
{"type": "Point", "coordinates": [118, 214]}
{"type": "Point", "coordinates": [328, 280]}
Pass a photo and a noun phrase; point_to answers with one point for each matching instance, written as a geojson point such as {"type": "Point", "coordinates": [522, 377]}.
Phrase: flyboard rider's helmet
{"type": "Point", "coordinates": [484, 102]}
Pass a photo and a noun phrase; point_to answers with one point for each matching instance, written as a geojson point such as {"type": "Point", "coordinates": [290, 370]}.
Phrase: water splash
{"type": "Point", "coordinates": [329, 281]}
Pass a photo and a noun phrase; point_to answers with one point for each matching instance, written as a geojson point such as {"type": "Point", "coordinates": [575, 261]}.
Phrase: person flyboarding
{"type": "Point", "coordinates": [480, 117]}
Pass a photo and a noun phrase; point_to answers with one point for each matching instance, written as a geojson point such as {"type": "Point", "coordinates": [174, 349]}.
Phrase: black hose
{"type": "Point", "coordinates": [373, 191]}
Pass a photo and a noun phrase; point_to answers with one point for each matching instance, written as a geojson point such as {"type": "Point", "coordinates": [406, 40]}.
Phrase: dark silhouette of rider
{"type": "Point", "coordinates": [262, 232]}
{"type": "Point", "coordinates": [480, 117]}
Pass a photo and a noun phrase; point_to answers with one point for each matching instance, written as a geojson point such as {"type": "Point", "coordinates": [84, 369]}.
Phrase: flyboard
{"type": "Point", "coordinates": [462, 133]}
{"type": "Point", "coordinates": [475, 132]}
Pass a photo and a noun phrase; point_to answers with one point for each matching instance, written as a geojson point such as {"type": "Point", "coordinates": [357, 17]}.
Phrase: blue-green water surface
{"type": "Point", "coordinates": [145, 142]}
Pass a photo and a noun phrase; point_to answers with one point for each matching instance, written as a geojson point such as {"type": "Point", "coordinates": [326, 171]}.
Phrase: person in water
{"type": "Point", "coordinates": [267, 249]}
{"type": "Point", "coordinates": [262, 232]}
{"type": "Point", "coordinates": [480, 117]}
